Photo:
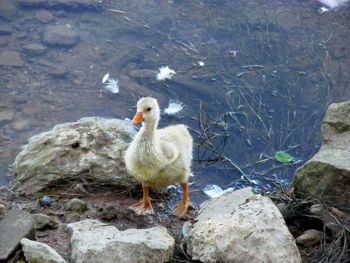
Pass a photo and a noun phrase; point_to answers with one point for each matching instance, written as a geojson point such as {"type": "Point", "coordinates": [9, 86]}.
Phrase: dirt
{"type": "Point", "coordinates": [108, 207]}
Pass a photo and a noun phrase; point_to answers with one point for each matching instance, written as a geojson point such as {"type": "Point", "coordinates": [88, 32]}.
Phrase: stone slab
{"type": "Point", "coordinates": [16, 225]}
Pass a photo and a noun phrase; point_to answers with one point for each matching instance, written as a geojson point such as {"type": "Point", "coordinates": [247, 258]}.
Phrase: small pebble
{"type": "Point", "coordinates": [72, 217]}
{"type": "Point", "coordinates": [79, 188]}
{"type": "Point", "coordinates": [46, 200]}
{"type": "Point", "coordinates": [77, 205]}
{"type": "Point", "coordinates": [309, 238]}
{"type": "Point", "coordinates": [109, 212]}
{"type": "Point", "coordinates": [317, 210]}
{"type": "Point", "coordinates": [3, 210]}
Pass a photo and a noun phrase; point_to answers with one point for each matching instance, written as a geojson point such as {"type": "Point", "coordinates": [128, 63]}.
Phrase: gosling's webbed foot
{"type": "Point", "coordinates": [142, 208]}
{"type": "Point", "coordinates": [180, 209]}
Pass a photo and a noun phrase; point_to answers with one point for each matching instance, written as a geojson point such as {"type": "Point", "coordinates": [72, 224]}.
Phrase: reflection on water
{"type": "Point", "coordinates": [254, 78]}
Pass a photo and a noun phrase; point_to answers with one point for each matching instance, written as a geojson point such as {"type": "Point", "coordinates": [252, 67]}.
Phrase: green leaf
{"type": "Point", "coordinates": [283, 157]}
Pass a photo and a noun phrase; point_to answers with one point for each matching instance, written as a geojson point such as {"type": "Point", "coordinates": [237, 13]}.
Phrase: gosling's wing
{"type": "Point", "coordinates": [179, 137]}
{"type": "Point", "coordinates": [169, 151]}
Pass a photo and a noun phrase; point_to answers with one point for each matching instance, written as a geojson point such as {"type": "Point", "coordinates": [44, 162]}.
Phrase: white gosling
{"type": "Point", "coordinates": [159, 157]}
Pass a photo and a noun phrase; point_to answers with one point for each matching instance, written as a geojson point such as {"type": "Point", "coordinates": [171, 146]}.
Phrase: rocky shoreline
{"type": "Point", "coordinates": [52, 215]}
{"type": "Point", "coordinates": [69, 194]}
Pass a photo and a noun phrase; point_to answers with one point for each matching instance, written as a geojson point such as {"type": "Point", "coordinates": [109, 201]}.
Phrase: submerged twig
{"type": "Point", "coordinates": [254, 66]}
{"type": "Point", "coordinates": [209, 131]}
{"type": "Point", "coordinates": [116, 11]}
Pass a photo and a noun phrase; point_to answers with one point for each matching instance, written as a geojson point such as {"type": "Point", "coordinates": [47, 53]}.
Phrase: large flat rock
{"type": "Point", "coordinates": [253, 231]}
{"type": "Point", "coordinates": [95, 242]}
{"type": "Point", "coordinates": [224, 203]}
{"type": "Point", "coordinates": [16, 225]}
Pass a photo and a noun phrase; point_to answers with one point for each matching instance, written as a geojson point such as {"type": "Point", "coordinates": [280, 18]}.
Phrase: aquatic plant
{"type": "Point", "coordinates": [283, 157]}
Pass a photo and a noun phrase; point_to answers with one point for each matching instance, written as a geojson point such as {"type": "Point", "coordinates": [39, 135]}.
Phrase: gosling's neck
{"type": "Point", "coordinates": [146, 139]}
{"type": "Point", "coordinates": [148, 130]}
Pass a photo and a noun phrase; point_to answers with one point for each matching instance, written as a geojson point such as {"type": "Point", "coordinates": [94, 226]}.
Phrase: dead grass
{"type": "Point", "coordinates": [334, 222]}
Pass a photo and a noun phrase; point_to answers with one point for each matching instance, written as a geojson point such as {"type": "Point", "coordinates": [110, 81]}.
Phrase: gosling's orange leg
{"type": "Point", "coordinates": [144, 207]}
{"type": "Point", "coordinates": [182, 206]}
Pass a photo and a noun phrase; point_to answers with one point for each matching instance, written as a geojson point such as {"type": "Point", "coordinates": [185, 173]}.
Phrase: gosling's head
{"type": "Point", "coordinates": [147, 111]}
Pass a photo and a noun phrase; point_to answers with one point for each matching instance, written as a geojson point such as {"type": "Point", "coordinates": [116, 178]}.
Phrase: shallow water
{"type": "Point", "coordinates": [270, 70]}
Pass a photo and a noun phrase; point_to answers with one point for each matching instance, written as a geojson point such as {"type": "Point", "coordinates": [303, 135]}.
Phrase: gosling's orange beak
{"type": "Point", "coordinates": [137, 118]}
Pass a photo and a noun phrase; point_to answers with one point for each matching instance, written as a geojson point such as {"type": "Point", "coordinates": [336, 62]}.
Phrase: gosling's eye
{"type": "Point", "coordinates": [148, 109]}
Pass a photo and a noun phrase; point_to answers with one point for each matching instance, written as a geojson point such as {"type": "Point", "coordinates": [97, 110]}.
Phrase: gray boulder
{"type": "Point", "coordinates": [95, 242]}
{"type": "Point", "coordinates": [250, 231]}
{"type": "Point", "coordinates": [90, 149]}
{"type": "Point", "coordinates": [16, 225]}
{"type": "Point", "coordinates": [36, 252]}
{"type": "Point", "coordinates": [327, 174]}
{"type": "Point", "coordinates": [60, 35]}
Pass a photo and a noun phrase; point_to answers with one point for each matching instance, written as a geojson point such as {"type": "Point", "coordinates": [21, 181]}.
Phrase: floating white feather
{"type": "Point", "coordinates": [174, 107]}
{"type": "Point", "coordinates": [112, 85]}
{"type": "Point", "coordinates": [213, 190]}
{"type": "Point", "coordinates": [186, 227]}
{"type": "Point", "coordinates": [165, 73]}
{"type": "Point", "coordinates": [323, 9]}
{"type": "Point", "coordinates": [105, 78]}
{"type": "Point", "coordinates": [333, 4]}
